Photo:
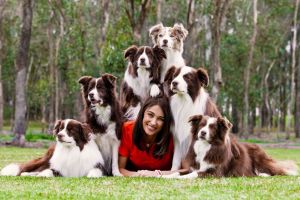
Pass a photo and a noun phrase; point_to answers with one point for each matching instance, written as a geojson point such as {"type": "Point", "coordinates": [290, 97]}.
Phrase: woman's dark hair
{"type": "Point", "coordinates": [163, 137]}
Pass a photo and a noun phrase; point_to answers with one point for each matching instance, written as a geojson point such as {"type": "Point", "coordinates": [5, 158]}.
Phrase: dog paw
{"type": "Point", "coordinates": [10, 170]}
{"type": "Point", "coordinates": [154, 91]}
{"type": "Point", "coordinates": [95, 173]}
{"type": "Point", "coordinates": [116, 173]}
{"type": "Point", "coordinates": [46, 173]}
{"type": "Point", "coordinates": [29, 173]}
{"type": "Point", "coordinates": [174, 175]}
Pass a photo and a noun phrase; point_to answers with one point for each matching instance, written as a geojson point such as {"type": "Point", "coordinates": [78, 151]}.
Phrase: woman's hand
{"type": "Point", "coordinates": [149, 173]}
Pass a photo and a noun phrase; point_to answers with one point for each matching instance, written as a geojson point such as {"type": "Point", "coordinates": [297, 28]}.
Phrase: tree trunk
{"type": "Point", "coordinates": [137, 23]}
{"type": "Point", "coordinates": [219, 13]}
{"type": "Point", "coordinates": [235, 117]}
{"type": "Point", "coordinates": [158, 11]}
{"type": "Point", "coordinates": [297, 102]}
{"type": "Point", "coordinates": [293, 66]}
{"type": "Point", "coordinates": [2, 4]}
{"type": "Point", "coordinates": [246, 129]}
{"type": "Point", "coordinates": [22, 65]}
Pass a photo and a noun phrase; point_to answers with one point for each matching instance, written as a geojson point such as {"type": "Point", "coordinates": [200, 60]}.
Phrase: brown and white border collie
{"type": "Point", "coordinates": [187, 98]}
{"type": "Point", "coordinates": [215, 152]}
{"type": "Point", "coordinates": [75, 154]}
{"type": "Point", "coordinates": [141, 78]}
{"type": "Point", "coordinates": [171, 40]}
{"type": "Point", "coordinates": [103, 115]}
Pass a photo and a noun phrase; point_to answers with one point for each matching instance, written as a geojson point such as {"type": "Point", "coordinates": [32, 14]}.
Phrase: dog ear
{"type": "Point", "coordinates": [159, 53]}
{"type": "Point", "coordinates": [223, 127]}
{"type": "Point", "coordinates": [180, 31]}
{"type": "Point", "coordinates": [84, 80]}
{"type": "Point", "coordinates": [130, 52]}
{"type": "Point", "coordinates": [170, 74]}
{"type": "Point", "coordinates": [86, 130]}
{"type": "Point", "coordinates": [195, 121]}
{"type": "Point", "coordinates": [56, 127]}
{"type": "Point", "coordinates": [203, 76]}
{"type": "Point", "coordinates": [154, 30]}
{"type": "Point", "coordinates": [109, 79]}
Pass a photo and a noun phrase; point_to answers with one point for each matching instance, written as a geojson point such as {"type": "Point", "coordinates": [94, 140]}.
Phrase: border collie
{"type": "Point", "coordinates": [171, 40]}
{"type": "Point", "coordinates": [187, 98]}
{"type": "Point", "coordinates": [214, 152]}
{"type": "Point", "coordinates": [75, 154]}
{"type": "Point", "coordinates": [103, 115]}
{"type": "Point", "coordinates": [141, 78]}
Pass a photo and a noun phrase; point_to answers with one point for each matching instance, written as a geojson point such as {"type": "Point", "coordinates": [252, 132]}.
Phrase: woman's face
{"type": "Point", "coordinates": [153, 120]}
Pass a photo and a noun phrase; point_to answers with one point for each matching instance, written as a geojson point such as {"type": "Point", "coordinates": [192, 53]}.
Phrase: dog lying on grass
{"type": "Point", "coordinates": [75, 154]}
{"type": "Point", "coordinates": [215, 152]}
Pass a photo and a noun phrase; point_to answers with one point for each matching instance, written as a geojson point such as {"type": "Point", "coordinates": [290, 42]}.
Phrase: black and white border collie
{"type": "Point", "coordinates": [215, 152]}
{"type": "Point", "coordinates": [103, 115]}
{"type": "Point", "coordinates": [187, 98]}
{"type": "Point", "coordinates": [141, 78]}
{"type": "Point", "coordinates": [75, 154]}
{"type": "Point", "coordinates": [171, 40]}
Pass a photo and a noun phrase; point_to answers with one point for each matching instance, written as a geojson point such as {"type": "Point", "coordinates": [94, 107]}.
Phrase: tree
{"type": "Point", "coordinates": [220, 8]}
{"type": "Point", "coordinates": [2, 3]}
{"type": "Point", "coordinates": [247, 71]}
{"type": "Point", "coordinates": [22, 65]}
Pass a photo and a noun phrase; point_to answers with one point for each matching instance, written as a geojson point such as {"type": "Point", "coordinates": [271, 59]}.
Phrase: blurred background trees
{"type": "Point", "coordinates": [250, 48]}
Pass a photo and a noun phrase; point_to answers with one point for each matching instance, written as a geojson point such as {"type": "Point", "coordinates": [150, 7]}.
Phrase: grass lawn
{"type": "Point", "coordinates": [145, 188]}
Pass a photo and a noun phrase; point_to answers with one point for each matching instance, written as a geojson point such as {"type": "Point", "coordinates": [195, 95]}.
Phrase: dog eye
{"type": "Point", "coordinates": [172, 36]}
{"type": "Point", "coordinates": [160, 35]}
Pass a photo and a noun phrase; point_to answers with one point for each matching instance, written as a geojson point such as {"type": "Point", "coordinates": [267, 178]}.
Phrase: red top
{"type": "Point", "coordinates": [142, 160]}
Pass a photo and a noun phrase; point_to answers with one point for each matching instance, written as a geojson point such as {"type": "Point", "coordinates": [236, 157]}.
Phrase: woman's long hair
{"type": "Point", "coordinates": [163, 137]}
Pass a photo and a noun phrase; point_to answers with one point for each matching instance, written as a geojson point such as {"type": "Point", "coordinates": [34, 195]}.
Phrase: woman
{"type": "Point", "coordinates": [147, 145]}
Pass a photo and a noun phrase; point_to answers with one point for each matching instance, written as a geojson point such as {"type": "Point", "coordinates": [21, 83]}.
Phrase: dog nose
{"type": "Point", "coordinates": [91, 95]}
{"type": "Point", "coordinates": [59, 136]}
{"type": "Point", "coordinates": [203, 133]}
{"type": "Point", "coordinates": [142, 60]}
{"type": "Point", "coordinates": [165, 41]}
{"type": "Point", "coordinates": [174, 83]}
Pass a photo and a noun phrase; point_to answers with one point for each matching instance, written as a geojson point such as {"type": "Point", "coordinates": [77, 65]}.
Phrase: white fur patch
{"type": "Point", "coordinates": [132, 112]}
{"type": "Point", "coordinates": [46, 173]}
{"type": "Point", "coordinates": [10, 170]}
{"type": "Point", "coordinates": [103, 114]}
{"type": "Point", "coordinates": [154, 91]}
{"type": "Point", "coordinates": [95, 173]}
{"type": "Point", "coordinates": [201, 148]}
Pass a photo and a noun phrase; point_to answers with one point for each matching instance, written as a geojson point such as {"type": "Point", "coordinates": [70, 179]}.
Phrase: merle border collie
{"type": "Point", "coordinates": [215, 152]}
{"type": "Point", "coordinates": [103, 115]}
{"type": "Point", "coordinates": [187, 98]}
{"type": "Point", "coordinates": [171, 40]}
{"type": "Point", "coordinates": [75, 154]}
{"type": "Point", "coordinates": [141, 78]}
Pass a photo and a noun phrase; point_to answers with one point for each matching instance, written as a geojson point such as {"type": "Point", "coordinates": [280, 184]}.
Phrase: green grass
{"type": "Point", "coordinates": [145, 188]}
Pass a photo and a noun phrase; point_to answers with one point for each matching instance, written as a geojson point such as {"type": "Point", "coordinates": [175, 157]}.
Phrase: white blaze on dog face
{"type": "Point", "coordinates": [179, 83]}
{"type": "Point", "coordinates": [63, 136]}
{"type": "Point", "coordinates": [208, 129]}
{"type": "Point", "coordinates": [144, 60]}
{"type": "Point", "coordinates": [94, 96]}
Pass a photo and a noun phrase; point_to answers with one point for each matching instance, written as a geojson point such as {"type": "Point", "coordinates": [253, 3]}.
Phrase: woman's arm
{"type": "Point", "coordinates": [122, 165]}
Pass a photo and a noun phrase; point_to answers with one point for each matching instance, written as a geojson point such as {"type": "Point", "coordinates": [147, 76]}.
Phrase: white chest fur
{"type": "Point", "coordinates": [71, 162]}
{"type": "Point", "coordinates": [174, 58]}
{"type": "Point", "coordinates": [140, 84]}
{"type": "Point", "coordinates": [201, 148]}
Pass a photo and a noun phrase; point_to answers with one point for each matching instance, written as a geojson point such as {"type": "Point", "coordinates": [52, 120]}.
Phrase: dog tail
{"type": "Point", "coordinates": [34, 165]}
{"type": "Point", "coordinates": [288, 166]}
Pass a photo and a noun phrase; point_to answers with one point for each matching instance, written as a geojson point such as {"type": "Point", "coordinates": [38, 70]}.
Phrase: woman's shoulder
{"type": "Point", "coordinates": [128, 127]}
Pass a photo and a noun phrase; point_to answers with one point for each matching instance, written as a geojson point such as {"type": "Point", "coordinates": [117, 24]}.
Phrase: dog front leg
{"type": "Point", "coordinates": [176, 157]}
{"type": "Point", "coordinates": [115, 154]}
{"type": "Point", "coordinates": [192, 175]}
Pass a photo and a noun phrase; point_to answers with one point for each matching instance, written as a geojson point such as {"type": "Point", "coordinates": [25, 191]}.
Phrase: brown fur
{"type": "Point", "coordinates": [230, 157]}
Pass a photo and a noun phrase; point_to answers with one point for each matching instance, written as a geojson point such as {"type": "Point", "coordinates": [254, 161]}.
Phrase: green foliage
{"type": "Point", "coordinates": [119, 38]}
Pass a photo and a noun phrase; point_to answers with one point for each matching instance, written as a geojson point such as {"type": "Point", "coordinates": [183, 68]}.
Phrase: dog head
{"type": "Point", "coordinates": [145, 57]}
{"type": "Point", "coordinates": [98, 91]}
{"type": "Point", "coordinates": [210, 129]}
{"type": "Point", "coordinates": [168, 38]}
{"type": "Point", "coordinates": [72, 133]}
{"type": "Point", "coordinates": [186, 80]}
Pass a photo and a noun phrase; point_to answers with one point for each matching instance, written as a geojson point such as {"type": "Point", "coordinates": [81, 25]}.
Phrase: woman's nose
{"type": "Point", "coordinates": [153, 121]}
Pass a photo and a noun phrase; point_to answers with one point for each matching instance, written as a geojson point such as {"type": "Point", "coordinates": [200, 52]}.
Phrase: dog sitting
{"type": "Point", "coordinates": [214, 152]}
{"type": "Point", "coordinates": [75, 154]}
{"type": "Point", "coordinates": [141, 78]}
{"type": "Point", "coordinates": [171, 40]}
{"type": "Point", "coordinates": [187, 98]}
{"type": "Point", "coordinates": [103, 115]}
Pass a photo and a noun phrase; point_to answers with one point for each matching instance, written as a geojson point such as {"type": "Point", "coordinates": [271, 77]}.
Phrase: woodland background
{"type": "Point", "coordinates": [249, 47]}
